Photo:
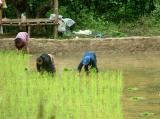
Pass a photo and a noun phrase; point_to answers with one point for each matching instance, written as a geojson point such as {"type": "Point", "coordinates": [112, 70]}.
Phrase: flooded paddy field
{"type": "Point", "coordinates": [138, 59]}
{"type": "Point", "coordinates": [27, 94]}
{"type": "Point", "coordinates": [141, 78]}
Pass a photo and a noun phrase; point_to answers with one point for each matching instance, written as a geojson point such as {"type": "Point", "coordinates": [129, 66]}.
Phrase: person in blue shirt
{"type": "Point", "coordinates": [88, 61]}
{"type": "Point", "coordinates": [45, 63]}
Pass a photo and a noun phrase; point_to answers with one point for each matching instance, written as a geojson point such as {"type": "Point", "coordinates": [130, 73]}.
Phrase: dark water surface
{"type": "Point", "coordinates": [141, 75]}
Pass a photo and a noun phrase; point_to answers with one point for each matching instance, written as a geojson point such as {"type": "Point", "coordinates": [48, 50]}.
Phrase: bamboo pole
{"type": "Point", "coordinates": [1, 27]}
{"type": "Point", "coordinates": [29, 30]}
{"type": "Point", "coordinates": [55, 9]}
{"type": "Point", "coordinates": [4, 6]}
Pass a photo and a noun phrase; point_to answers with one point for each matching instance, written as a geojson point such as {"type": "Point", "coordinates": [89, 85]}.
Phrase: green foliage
{"type": "Point", "coordinates": [144, 26]}
{"type": "Point", "coordinates": [116, 34]}
{"type": "Point", "coordinates": [8, 13]}
{"type": "Point", "coordinates": [114, 10]}
{"type": "Point", "coordinates": [156, 13]}
{"type": "Point", "coordinates": [96, 15]}
{"type": "Point", "coordinates": [88, 20]}
{"type": "Point", "coordinates": [27, 94]}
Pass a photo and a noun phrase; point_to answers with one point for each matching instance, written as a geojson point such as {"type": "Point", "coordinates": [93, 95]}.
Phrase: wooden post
{"type": "Point", "coordinates": [4, 6]}
{"type": "Point", "coordinates": [55, 33]}
{"type": "Point", "coordinates": [29, 31]}
{"type": "Point", "coordinates": [1, 27]}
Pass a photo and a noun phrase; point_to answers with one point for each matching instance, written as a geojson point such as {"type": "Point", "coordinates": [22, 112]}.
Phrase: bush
{"type": "Point", "coordinates": [88, 20]}
{"type": "Point", "coordinates": [156, 13]}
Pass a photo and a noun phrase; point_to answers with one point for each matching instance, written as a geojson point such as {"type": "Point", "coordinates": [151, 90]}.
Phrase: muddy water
{"type": "Point", "coordinates": [140, 71]}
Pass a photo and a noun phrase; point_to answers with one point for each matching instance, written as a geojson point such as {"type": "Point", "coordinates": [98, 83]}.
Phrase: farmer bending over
{"type": "Point", "coordinates": [89, 61]}
{"type": "Point", "coordinates": [21, 41]}
{"type": "Point", "coordinates": [45, 63]}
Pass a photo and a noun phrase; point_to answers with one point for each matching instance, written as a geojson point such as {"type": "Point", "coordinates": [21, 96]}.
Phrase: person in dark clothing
{"type": "Point", "coordinates": [45, 64]}
{"type": "Point", "coordinates": [88, 60]}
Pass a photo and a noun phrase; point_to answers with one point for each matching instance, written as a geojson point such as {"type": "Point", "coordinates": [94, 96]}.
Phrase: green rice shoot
{"type": "Point", "coordinates": [25, 94]}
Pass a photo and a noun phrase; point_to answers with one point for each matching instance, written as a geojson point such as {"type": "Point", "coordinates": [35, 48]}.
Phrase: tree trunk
{"type": "Point", "coordinates": [55, 8]}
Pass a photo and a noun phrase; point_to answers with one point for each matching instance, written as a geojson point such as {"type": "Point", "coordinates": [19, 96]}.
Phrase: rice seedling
{"type": "Point", "coordinates": [146, 114]}
{"type": "Point", "coordinates": [133, 89]}
{"type": "Point", "coordinates": [136, 98]}
{"type": "Point", "coordinates": [26, 94]}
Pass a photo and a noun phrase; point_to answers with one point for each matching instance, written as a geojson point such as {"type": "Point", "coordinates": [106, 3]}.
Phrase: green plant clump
{"type": "Point", "coordinates": [136, 98]}
{"type": "Point", "coordinates": [146, 114]}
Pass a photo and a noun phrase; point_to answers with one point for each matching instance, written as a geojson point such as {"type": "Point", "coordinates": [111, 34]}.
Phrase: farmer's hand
{"type": "Point", "coordinates": [77, 74]}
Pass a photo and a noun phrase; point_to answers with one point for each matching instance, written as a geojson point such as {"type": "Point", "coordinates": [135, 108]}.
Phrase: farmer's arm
{"type": "Point", "coordinates": [86, 69]}
{"type": "Point", "coordinates": [26, 47]}
{"type": "Point", "coordinates": [94, 65]}
{"type": "Point", "coordinates": [53, 68]}
{"type": "Point", "coordinates": [80, 66]}
{"type": "Point", "coordinates": [18, 50]}
{"type": "Point", "coordinates": [38, 67]}
{"type": "Point", "coordinates": [26, 43]}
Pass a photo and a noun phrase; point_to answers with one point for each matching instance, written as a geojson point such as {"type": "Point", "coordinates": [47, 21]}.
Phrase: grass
{"type": "Point", "coordinates": [26, 94]}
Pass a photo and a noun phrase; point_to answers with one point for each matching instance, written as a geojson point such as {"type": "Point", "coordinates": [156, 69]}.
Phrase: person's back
{"type": "Point", "coordinates": [21, 41]}
{"type": "Point", "coordinates": [23, 36]}
{"type": "Point", "coordinates": [89, 59]}
{"type": "Point", "coordinates": [45, 63]}
{"type": "Point", "coordinates": [90, 54]}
